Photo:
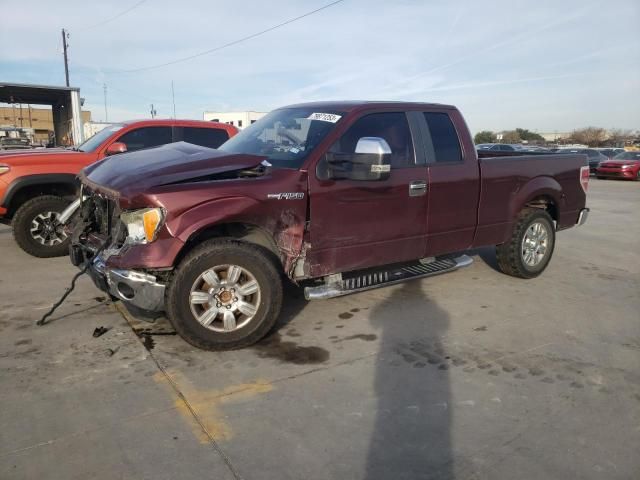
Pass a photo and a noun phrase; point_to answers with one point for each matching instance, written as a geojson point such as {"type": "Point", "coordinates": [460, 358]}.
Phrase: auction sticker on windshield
{"type": "Point", "coordinates": [325, 117]}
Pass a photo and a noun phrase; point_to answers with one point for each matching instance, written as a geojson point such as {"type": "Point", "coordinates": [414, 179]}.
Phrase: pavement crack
{"type": "Point", "coordinates": [192, 411]}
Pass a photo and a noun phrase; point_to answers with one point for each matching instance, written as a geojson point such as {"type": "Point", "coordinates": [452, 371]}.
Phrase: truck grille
{"type": "Point", "coordinates": [104, 217]}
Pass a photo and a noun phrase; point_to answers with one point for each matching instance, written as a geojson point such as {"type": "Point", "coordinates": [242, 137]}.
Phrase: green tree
{"type": "Point", "coordinates": [511, 136]}
{"type": "Point", "coordinates": [485, 136]}
{"type": "Point", "coordinates": [591, 136]}
{"type": "Point", "coordinates": [525, 134]}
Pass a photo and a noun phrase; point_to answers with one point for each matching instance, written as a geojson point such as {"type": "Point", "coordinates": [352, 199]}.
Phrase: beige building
{"type": "Point", "coordinates": [237, 119]}
{"type": "Point", "coordinates": [39, 119]}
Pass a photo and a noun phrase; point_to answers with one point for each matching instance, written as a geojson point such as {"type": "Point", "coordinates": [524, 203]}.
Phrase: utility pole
{"type": "Point", "coordinates": [153, 112]}
{"type": "Point", "coordinates": [173, 97]}
{"type": "Point", "coordinates": [106, 116]}
{"type": "Point", "coordinates": [65, 35]}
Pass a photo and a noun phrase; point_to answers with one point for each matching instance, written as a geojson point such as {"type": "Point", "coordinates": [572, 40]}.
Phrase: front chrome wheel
{"type": "Point", "coordinates": [225, 298]}
{"type": "Point", "coordinates": [535, 244]}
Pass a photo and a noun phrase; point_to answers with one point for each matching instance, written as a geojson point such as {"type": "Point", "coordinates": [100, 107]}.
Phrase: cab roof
{"type": "Point", "coordinates": [351, 105]}
{"type": "Point", "coordinates": [170, 121]}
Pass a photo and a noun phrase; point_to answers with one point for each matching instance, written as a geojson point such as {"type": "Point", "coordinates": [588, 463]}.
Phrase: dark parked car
{"type": "Point", "coordinates": [611, 152]}
{"type": "Point", "coordinates": [7, 143]}
{"type": "Point", "coordinates": [594, 157]}
{"type": "Point", "coordinates": [339, 197]}
{"type": "Point", "coordinates": [501, 147]}
{"type": "Point", "coordinates": [625, 165]}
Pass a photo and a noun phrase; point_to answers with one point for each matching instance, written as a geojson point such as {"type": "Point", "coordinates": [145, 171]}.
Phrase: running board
{"type": "Point", "coordinates": [375, 278]}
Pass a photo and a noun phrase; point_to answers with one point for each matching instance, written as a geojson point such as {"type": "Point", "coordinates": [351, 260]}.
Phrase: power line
{"type": "Point", "coordinates": [140, 97]}
{"type": "Point", "coordinates": [124, 12]}
{"type": "Point", "coordinates": [229, 44]}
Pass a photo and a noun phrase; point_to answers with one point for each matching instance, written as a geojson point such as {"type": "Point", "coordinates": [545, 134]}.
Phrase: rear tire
{"type": "Point", "coordinates": [225, 294]}
{"type": "Point", "coordinates": [528, 252]}
{"type": "Point", "coordinates": [36, 230]}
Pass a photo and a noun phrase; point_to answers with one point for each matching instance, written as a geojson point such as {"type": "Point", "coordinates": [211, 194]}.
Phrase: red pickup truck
{"type": "Point", "coordinates": [36, 185]}
{"type": "Point", "coordinates": [338, 197]}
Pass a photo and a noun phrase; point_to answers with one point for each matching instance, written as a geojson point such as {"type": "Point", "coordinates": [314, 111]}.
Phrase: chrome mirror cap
{"type": "Point", "coordinates": [375, 145]}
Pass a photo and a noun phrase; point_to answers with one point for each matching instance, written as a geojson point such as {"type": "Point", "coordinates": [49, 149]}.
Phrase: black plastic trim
{"type": "Point", "coordinates": [40, 179]}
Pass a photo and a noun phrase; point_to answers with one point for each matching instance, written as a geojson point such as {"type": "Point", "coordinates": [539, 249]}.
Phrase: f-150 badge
{"type": "Point", "coordinates": [286, 196]}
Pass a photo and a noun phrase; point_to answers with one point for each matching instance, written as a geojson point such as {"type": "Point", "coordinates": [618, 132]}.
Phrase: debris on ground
{"type": "Point", "coordinates": [100, 331]}
{"type": "Point", "coordinates": [112, 351]}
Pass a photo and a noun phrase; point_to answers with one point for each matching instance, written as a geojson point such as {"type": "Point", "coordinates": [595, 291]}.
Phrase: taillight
{"type": "Point", "coordinates": [584, 178]}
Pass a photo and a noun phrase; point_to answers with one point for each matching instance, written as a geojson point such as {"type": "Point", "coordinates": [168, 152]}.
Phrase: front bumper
{"type": "Point", "coordinates": [136, 288]}
{"type": "Point", "coordinates": [617, 173]}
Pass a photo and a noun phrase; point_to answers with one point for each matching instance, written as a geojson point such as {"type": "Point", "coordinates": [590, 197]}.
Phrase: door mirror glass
{"type": "Point", "coordinates": [115, 148]}
{"type": "Point", "coordinates": [371, 161]}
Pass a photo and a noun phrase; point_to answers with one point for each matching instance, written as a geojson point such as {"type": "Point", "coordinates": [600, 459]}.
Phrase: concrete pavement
{"type": "Point", "coordinates": [467, 375]}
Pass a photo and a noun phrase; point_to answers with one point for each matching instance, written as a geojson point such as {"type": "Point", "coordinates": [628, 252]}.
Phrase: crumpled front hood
{"type": "Point", "coordinates": [128, 174]}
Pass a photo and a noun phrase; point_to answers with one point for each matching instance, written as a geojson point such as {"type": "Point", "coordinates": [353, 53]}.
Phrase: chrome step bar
{"type": "Point", "coordinates": [360, 281]}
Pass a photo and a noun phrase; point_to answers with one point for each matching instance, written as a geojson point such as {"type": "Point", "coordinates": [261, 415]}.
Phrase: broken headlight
{"type": "Point", "coordinates": [142, 225]}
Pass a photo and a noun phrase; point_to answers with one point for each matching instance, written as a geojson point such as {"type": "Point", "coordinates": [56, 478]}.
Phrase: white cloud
{"type": "Point", "coordinates": [544, 64]}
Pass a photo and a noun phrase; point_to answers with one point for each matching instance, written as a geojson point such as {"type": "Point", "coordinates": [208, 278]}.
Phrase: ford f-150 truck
{"type": "Point", "coordinates": [37, 185]}
{"type": "Point", "coordinates": [339, 197]}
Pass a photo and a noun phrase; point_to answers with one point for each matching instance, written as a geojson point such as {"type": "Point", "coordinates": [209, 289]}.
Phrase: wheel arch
{"type": "Point", "coordinates": [31, 186]}
{"type": "Point", "coordinates": [541, 192]}
{"type": "Point", "coordinates": [243, 231]}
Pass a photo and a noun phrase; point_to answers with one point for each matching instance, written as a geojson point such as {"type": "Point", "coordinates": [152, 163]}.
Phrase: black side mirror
{"type": "Point", "coordinates": [370, 162]}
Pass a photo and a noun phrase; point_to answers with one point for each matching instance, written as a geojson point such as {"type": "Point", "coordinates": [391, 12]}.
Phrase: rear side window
{"type": "Point", "coordinates": [205, 137]}
{"type": "Point", "coordinates": [444, 138]}
{"type": "Point", "coordinates": [146, 137]}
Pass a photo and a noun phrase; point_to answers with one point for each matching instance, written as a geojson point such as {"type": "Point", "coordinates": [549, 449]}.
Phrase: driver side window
{"type": "Point", "coordinates": [146, 137]}
{"type": "Point", "coordinates": [392, 127]}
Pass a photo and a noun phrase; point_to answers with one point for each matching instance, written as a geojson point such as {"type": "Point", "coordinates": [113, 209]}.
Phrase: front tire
{"type": "Point", "coordinates": [225, 295]}
{"type": "Point", "coordinates": [528, 252]}
{"type": "Point", "coordinates": [36, 228]}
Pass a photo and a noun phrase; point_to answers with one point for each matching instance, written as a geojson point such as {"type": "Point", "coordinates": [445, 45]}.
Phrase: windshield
{"type": "Point", "coordinates": [628, 156]}
{"type": "Point", "coordinates": [92, 143]}
{"type": "Point", "coordinates": [284, 136]}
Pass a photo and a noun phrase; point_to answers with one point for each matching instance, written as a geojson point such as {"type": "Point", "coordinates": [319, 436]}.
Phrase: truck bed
{"type": "Point", "coordinates": [508, 182]}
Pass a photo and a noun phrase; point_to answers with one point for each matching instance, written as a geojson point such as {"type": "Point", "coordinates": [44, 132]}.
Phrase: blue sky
{"type": "Point", "coordinates": [543, 65]}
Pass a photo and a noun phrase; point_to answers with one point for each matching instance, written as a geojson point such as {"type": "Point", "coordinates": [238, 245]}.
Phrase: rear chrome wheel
{"type": "Point", "coordinates": [529, 249]}
{"type": "Point", "coordinates": [225, 298]}
{"type": "Point", "coordinates": [534, 244]}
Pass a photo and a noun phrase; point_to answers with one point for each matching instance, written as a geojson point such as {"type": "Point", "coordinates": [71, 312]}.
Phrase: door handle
{"type": "Point", "coordinates": [417, 188]}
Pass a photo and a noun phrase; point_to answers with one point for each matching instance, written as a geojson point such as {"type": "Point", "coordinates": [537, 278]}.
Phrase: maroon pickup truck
{"type": "Point", "coordinates": [339, 197]}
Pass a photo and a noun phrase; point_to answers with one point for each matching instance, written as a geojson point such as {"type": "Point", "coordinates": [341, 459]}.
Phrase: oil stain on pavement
{"type": "Point", "coordinates": [290, 352]}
